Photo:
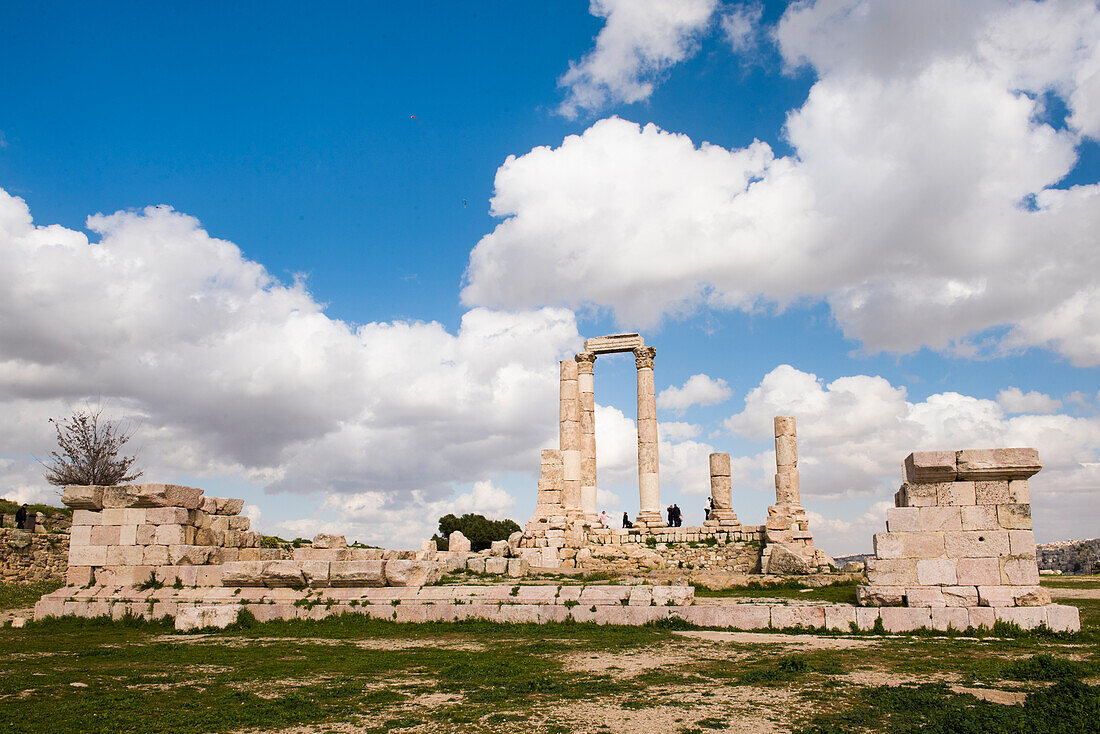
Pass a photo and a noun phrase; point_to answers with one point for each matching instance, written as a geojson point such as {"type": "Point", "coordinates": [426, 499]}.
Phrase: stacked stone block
{"type": "Point", "coordinates": [960, 534]}
{"type": "Point", "coordinates": [130, 533]}
{"type": "Point", "coordinates": [722, 515]}
{"type": "Point", "coordinates": [787, 524]}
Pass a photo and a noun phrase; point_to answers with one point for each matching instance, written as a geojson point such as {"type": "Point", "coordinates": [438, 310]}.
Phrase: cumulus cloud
{"type": "Point", "coordinates": [230, 372]}
{"type": "Point", "coordinates": [740, 25]}
{"type": "Point", "coordinates": [855, 431]}
{"type": "Point", "coordinates": [639, 42]}
{"type": "Point", "coordinates": [1015, 400]}
{"type": "Point", "coordinates": [921, 204]}
{"type": "Point", "coordinates": [698, 390]}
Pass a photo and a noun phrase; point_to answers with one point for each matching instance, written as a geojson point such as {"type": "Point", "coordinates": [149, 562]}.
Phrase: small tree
{"type": "Point", "coordinates": [478, 529]}
{"type": "Point", "coordinates": [89, 446]}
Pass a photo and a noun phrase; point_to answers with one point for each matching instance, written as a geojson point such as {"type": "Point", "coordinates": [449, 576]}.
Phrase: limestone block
{"type": "Point", "coordinates": [888, 545]}
{"type": "Point", "coordinates": [123, 516]}
{"type": "Point", "coordinates": [124, 555]}
{"type": "Point", "coordinates": [224, 555]}
{"type": "Point", "coordinates": [978, 571]}
{"type": "Point", "coordinates": [1027, 618]}
{"type": "Point", "coordinates": [924, 596]}
{"type": "Point", "coordinates": [721, 490]}
{"type": "Point", "coordinates": [499, 548]}
{"type": "Point", "coordinates": [182, 555]}
{"type": "Point", "coordinates": [866, 617]}
{"type": "Point", "coordinates": [87, 555]}
{"type": "Point", "coordinates": [80, 535]}
{"type": "Point", "coordinates": [981, 617]}
{"type": "Point", "coordinates": [1060, 618]}
{"type": "Point", "coordinates": [902, 519]}
{"type": "Point", "coordinates": [283, 574]}
{"type": "Point", "coordinates": [78, 575]}
{"type": "Point", "coordinates": [83, 498]}
{"type": "Point", "coordinates": [201, 616]}
{"type": "Point", "coordinates": [720, 465]}
{"type": "Point", "coordinates": [152, 495]}
{"type": "Point", "coordinates": [950, 618]}
{"type": "Point", "coordinates": [412, 573]}
{"type": "Point", "coordinates": [930, 466]}
{"type": "Point", "coordinates": [787, 486]}
{"type": "Point", "coordinates": [316, 573]}
{"type": "Point", "coordinates": [991, 492]}
{"type": "Point", "coordinates": [496, 565]}
{"type": "Point", "coordinates": [1018, 492]}
{"type": "Point", "coordinates": [880, 596]}
{"type": "Point", "coordinates": [517, 567]}
{"type": "Point", "coordinates": [127, 535]}
{"type": "Point", "coordinates": [208, 536]}
{"type": "Point", "coordinates": [87, 517]}
{"type": "Point", "coordinates": [960, 596]}
{"type": "Point", "coordinates": [784, 425]}
{"type": "Point", "coordinates": [186, 575]}
{"type": "Point", "coordinates": [124, 575]}
{"type": "Point", "coordinates": [892, 571]}
{"type": "Point", "coordinates": [476, 564]}
{"type": "Point", "coordinates": [786, 451]}
{"type": "Point", "coordinates": [918, 495]}
{"type": "Point", "coordinates": [980, 517]}
{"type": "Point", "coordinates": [985, 464]}
{"type": "Point", "coordinates": [228, 506]}
{"type": "Point", "coordinates": [457, 542]}
{"type": "Point", "coordinates": [782, 560]}
{"type": "Point", "coordinates": [840, 617]}
{"type": "Point", "coordinates": [906, 619]}
{"type": "Point", "coordinates": [154, 555]}
{"type": "Point", "coordinates": [174, 535]}
{"type": "Point", "coordinates": [167, 516]}
{"type": "Point", "coordinates": [1015, 571]}
{"type": "Point", "coordinates": [996, 596]}
{"type": "Point", "coordinates": [1031, 596]}
{"type": "Point", "coordinates": [941, 518]}
{"type": "Point", "coordinates": [791, 616]}
{"type": "Point", "coordinates": [1021, 542]}
{"type": "Point", "coordinates": [320, 554]}
{"type": "Point", "coordinates": [357, 573]}
{"type": "Point", "coordinates": [1014, 517]}
{"type": "Point", "coordinates": [925, 544]}
{"type": "Point", "coordinates": [552, 464]}
{"type": "Point", "coordinates": [324, 540]}
{"type": "Point", "coordinates": [937, 572]}
{"type": "Point", "coordinates": [976, 543]}
{"type": "Point", "coordinates": [955, 494]}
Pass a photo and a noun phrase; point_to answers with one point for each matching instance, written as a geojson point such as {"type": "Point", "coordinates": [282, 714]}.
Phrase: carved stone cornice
{"type": "Point", "coordinates": [643, 357]}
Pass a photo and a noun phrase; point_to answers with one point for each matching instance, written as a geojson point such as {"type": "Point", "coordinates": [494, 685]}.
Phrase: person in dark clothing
{"type": "Point", "coordinates": [671, 516]}
{"type": "Point", "coordinates": [707, 510]}
{"type": "Point", "coordinates": [626, 521]}
{"type": "Point", "coordinates": [21, 517]}
{"type": "Point", "coordinates": [677, 516]}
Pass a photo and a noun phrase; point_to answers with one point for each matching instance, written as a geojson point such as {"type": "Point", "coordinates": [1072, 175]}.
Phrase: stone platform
{"type": "Point", "coordinates": [199, 607]}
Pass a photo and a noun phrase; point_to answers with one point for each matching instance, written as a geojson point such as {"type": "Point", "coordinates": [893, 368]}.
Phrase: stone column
{"type": "Point", "coordinates": [648, 482]}
{"type": "Point", "coordinates": [570, 437]}
{"type": "Point", "coordinates": [585, 391]}
{"type": "Point", "coordinates": [721, 482]}
{"type": "Point", "coordinates": [786, 462]}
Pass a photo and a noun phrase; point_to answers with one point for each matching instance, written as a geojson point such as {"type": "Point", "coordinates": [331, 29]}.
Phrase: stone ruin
{"type": "Point", "coordinates": [563, 530]}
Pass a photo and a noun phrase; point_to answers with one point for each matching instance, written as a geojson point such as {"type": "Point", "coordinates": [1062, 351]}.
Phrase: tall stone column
{"type": "Point", "coordinates": [586, 393]}
{"type": "Point", "coordinates": [570, 437]}
{"type": "Point", "coordinates": [786, 462]}
{"type": "Point", "coordinates": [648, 482]}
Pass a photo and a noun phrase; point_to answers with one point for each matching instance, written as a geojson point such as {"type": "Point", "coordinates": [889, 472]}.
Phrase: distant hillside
{"type": "Point", "coordinates": [1070, 556]}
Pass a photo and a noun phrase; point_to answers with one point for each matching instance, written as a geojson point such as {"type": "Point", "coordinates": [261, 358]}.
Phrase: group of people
{"type": "Point", "coordinates": [675, 516]}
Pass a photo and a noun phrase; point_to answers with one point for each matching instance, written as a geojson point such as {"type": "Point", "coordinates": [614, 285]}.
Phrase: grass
{"type": "Point", "coordinates": [840, 592]}
{"type": "Point", "coordinates": [1070, 582]}
{"type": "Point", "coordinates": [21, 595]}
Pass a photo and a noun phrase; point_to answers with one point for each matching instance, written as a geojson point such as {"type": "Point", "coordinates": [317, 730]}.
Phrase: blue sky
{"type": "Point", "coordinates": [915, 222]}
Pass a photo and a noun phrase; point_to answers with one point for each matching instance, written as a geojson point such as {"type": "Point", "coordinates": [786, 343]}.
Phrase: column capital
{"type": "Point", "coordinates": [643, 357]}
{"type": "Point", "coordinates": [585, 358]}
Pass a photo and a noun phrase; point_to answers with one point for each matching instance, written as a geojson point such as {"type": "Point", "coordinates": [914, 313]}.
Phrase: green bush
{"type": "Point", "coordinates": [480, 530]}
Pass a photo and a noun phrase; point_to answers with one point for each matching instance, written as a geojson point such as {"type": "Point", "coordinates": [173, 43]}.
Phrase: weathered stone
{"type": "Point", "coordinates": [902, 519]}
{"type": "Point", "coordinates": [930, 466]}
{"type": "Point", "coordinates": [88, 555]}
{"type": "Point", "coordinates": [87, 517]}
{"type": "Point", "coordinates": [950, 618]}
{"type": "Point", "coordinates": [925, 544]}
{"type": "Point", "coordinates": [976, 543]}
{"type": "Point", "coordinates": [1034, 597]}
{"type": "Point", "coordinates": [202, 616]}
{"type": "Point", "coordinates": [152, 495]}
{"type": "Point", "coordinates": [937, 572]}
{"type": "Point", "coordinates": [960, 596]}
{"type": "Point", "coordinates": [980, 517]}
{"type": "Point", "coordinates": [283, 574]}
{"type": "Point", "coordinates": [985, 464]}
{"type": "Point", "coordinates": [792, 616]}
{"type": "Point", "coordinates": [880, 596]}
{"type": "Point", "coordinates": [782, 560]}
{"type": "Point", "coordinates": [993, 492]}
{"type": "Point", "coordinates": [996, 596]}
{"type": "Point", "coordinates": [978, 571]}
{"type": "Point", "coordinates": [357, 573]}
{"type": "Point", "coordinates": [180, 555]}
{"type": "Point", "coordinates": [786, 451]}
{"type": "Point", "coordinates": [906, 619]}
{"type": "Point", "coordinates": [892, 571]}
{"type": "Point", "coordinates": [496, 565]}
{"type": "Point", "coordinates": [228, 505]}
{"type": "Point", "coordinates": [458, 543]}
{"type": "Point", "coordinates": [924, 596]}
{"type": "Point", "coordinates": [499, 548]}
{"type": "Point", "coordinates": [1021, 542]}
{"type": "Point", "coordinates": [1019, 571]}
{"type": "Point", "coordinates": [83, 497]}
{"type": "Point", "coordinates": [324, 540]}
{"type": "Point", "coordinates": [1060, 618]}
{"type": "Point", "coordinates": [104, 535]}
{"type": "Point", "coordinates": [1018, 492]}
{"type": "Point", "coordinates": [517, 567]}
{"type": "Point", "coordinates": [941, 518]}
{"type": "Point", "coordinates": [914, 494]}
{"type": "Point", "coordinates": [411, 573]}
{"type": "Point", "coordinates": [1014, 517]}
{"type": "Point", "coordinates": [720, 465]}
{"type": "Point", "coordinates": [955, 494]}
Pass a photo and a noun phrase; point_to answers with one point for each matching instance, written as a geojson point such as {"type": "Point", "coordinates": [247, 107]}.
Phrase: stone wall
{"type": "Point", "coordinates": [32, 556]}
{"type": "Point", "coordinates": [1070, 556]}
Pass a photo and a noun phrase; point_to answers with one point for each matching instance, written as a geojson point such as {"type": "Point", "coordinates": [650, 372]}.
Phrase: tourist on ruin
{"type": "Point", "coordinates": [671, 516]}
{"type": "Point", "coordinates": [677, 516]}
{"type": "Point", "coordinates": [605, 519]}
{"type": "Point", "coordinates": [626, 520]}
{"type": "Point", "coordinates": [708, 508]}
{"type": "Point", "coordinates": [21, 516]}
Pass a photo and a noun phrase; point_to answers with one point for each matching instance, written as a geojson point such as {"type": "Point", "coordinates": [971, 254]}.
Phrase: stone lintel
{"type": "Point", "coordinates": [613, 343]}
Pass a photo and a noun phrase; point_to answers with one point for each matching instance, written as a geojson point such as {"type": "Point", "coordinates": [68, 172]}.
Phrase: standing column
{"type": "Point", "coordinates": [786, 462]}
{"type": "Point", "coordinates": [570, 438]}
{"type": "Point", "coordinates": [586, 393]}
{"type": "Point", "coordinates": [648, 483]}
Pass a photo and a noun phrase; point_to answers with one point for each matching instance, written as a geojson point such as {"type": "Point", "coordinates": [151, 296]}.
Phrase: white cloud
{"type": "Point", "coordinates": [903, 208]}
{"type": "Point", "coordinates": [698, 390]}
{"type": "Point", "coordinates": [640, 41]}
{"type": "Point", "coordinates": [229, 372]}
{"type": "Point", "coordinates": [854, 433]}
{"type": "Point", "coordinates": [677, 430]}
{"type": "Point", "coordinates": [740, 25]}
{"type": "Point", "coordinates": [1015, 400]}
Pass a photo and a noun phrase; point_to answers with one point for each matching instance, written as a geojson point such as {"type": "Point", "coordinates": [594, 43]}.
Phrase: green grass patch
{"type": "Point", "coordinates": [838, 592]}
{"type": "Point", "coordinates": [25, 594]}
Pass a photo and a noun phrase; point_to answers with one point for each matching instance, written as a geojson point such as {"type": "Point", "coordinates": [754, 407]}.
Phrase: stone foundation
{"type": "Point", "coordinates": [32, 556]}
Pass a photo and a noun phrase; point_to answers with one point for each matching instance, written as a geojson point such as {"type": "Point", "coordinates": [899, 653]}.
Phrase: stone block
{"type": "Point", "coordinates": [87, 517]}
{"type": "Point", "coordinates": [840, 617]}
{"type": "Point", "coordinates": [78, 575]}
{"type": "Point", "coordinates": [784, 425]}
{"type": "Point", "coordinates": [1018, 492]}
{"type": "Point", "coordinates": [284, 574]}
{"type": "Point", "coordinates": [209, 536]}
{"type": "Point", "coordinates": [496, 565]}
{"type": "Point", "coordinates": [228, 505]}
{"type": "Point", "coordinates": [413, 573]}
{"type": "Point", "coordinates": [174, 535]}
{"type": "Point", "coordinates": [955, 494]}
{"type": "Point", "coordinates": [784, 616]}
{"type": "Point", "coordinates": [517, 568]}
{"type": "Point", "coordinates": [80, 535]}
{"type": "Point", "coordinates": [981, 617]}
{"type": "Point", "coordinates": [124, 575]}
{"type": "Point", "coordinates": [786, 451]}
{"type": "Point", "coordinates": [996, 596]}
{"type": "Point", "coordinates": [145, 535]}
{"type": "Point", "coordinates": [936, 572]}
{"type": "Point", "coordinates": [892, 571]}
{"type": "Point", "coordinates": [950, 618]}
{"type": "Point", "coordinates": [1031, 596]}
{"type": "Point", "coordinates": [925, 544]}
{"type": "Point", "coordinates": [152, 495]}
{"type": "Point", "coordinates": [186, 575]}
{"type": "Point", "coordinates": [924, 596]}
{"type": "Point", "coordinates": [880, 596]}
{"type": "Point", "coordinates": [202, 616]}
{"type": "Point", "coordinates": [499, 548]}
{"type": "Point", "coordinates": [941, 518]}
{"type": "Point", "coordinates": [902, 519]}
{"type": "Point", "coordinates": [976, 544]}
{"type": "Point", "coordinates": [184, 555]}
{"type": "Point", "coordinates": [986, 464]}
{"type": "Point", "coordinates": [316, 572]}
{"type": "Point", "coordinates": [167, 516]}
{"type": "Point", "coordinates": [1027, 618]}
{"type": "Point", "coordinates": [980, 517]}
{"type": "Point", "coordinates": [123, 516]}
{"type": "Point", "coordinates": [930, 466]}
{"type": "Point", "coordinates": [905, 619]}
{"type": "Point", "coordinates": [88, 555]}
{"type": "Point", "coordinates": [1021, 542]}
{"type": "Point", "coordinates": [224, 555]}
{"type": "Point", "coordinates": [127, 534]}
{"type": "Point", "coordinates": [978, 571]}
{"type": "Point", "coordinates": [720, 465]}
{"type": "Point", "coordinates": [476, 564]}
{"type": "Point", "coordinates": [888, 545]}
{"type": "Point", "coordinates": [913, 494]}
{"type": "Point", "coordinates": [324, 540]}
{"type": "Point", "coordinates": [83, 498]}
{"type": "Point", "coordinates": [1060, 618]}
{"type": "Point", "coordinates": [960, 596]}
{"type": "Point", "coordinates": [867, 616]}
{"type": "Point", "coordinates": [1019, 571]}
{"type": "Point", "coordinates": [1014, 517]}
{"type": "Point", "coordinates": [125, 555]}
{"type": "Point", "coordinates": [243, 573]}
{"type": "Point", "coordinates": [357, 573]}
{"type": "Point", "coordinates": [994, 492]}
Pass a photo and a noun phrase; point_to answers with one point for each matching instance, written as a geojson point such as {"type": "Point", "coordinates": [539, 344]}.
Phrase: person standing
{"type": "Point", "coordinates": [671, 516]}
{"type": "Point", "coordinates": [21, 516]}
{"type": "Point", "coordinates": [626, 520]}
